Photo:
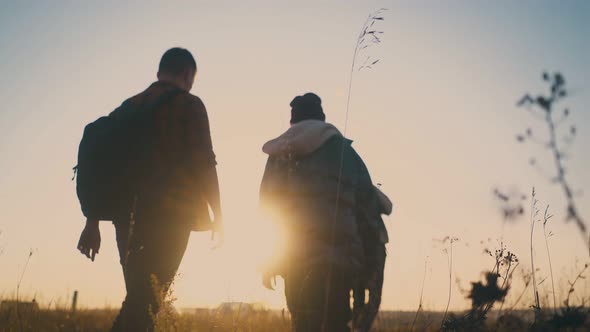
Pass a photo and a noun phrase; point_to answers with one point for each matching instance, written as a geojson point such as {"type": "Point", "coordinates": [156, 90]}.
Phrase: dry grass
{"type": "Point", "coordinates": [262, 321]}
{"type": "Point", "coordinates": [200, 320]}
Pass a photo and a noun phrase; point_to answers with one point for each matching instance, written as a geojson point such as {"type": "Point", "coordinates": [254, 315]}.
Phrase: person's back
{"type": "Point", "coordinates": [176, 181]}
{"type": "Point", "coordinates": [314, 193]}
{"type": "Point", "coordinates": [317, 181]}
{"type": "Point", "coordinates": [179, 153]}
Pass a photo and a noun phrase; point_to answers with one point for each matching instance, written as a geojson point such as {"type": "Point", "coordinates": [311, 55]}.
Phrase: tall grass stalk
{"type": "Point", "coordinates": [20, 280]}
{"type": "Point", "coordinates": [534, 212]}
{"type": "Point", "coordinates": [450, 264]}
{"type": "Point", "coordinates": [421, 295]}
{"type": "Point", "coordinates": [367, 37]}
{"type": "Point", "coordinates": [546, 218]}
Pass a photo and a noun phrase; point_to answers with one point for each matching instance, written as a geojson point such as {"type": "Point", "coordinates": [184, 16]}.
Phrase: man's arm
{"type": "Point", "coordinates": [212, 195]}
{"type": "Point", "coordinates": [202, 159]}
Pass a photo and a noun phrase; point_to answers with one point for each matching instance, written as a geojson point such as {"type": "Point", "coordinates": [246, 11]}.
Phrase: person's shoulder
{"type": "Point", "coordinates": [357, 159]}
{"type": "Point", "coordinates": [193, 98]}
{"type": "Point", "coordinates": [137, 99]}
{"type": "Point", "coordinates": [134, 100]}
{"type": "Point", "coordinates": [128, 103]}
{"type": "Point", "coordinates": [191, 102]}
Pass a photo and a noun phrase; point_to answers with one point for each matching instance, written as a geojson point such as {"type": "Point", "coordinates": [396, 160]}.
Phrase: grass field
{"type": "Point", "coordinates": [258, 320]}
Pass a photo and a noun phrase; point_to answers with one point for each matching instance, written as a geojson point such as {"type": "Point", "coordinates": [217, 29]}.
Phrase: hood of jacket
{"type": "Point", "coordinates": [301, 139]}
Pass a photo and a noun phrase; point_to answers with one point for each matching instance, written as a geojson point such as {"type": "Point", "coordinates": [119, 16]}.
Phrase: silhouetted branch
{"type": "Point", "coordinates": [573, 284]}
{"type": "Point", "coordinates": [545, 105]}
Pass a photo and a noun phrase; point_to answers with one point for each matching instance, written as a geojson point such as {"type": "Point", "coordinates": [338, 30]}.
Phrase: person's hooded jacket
{"type": "Point", "coordinates": [325, 219]}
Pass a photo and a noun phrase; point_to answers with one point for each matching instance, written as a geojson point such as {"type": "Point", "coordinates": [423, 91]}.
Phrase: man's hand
{"type": "Point", "coordinates": [269, 281]}
{"type": "Point", "coordinates": [89, 242]}
{"type": "Point", "coordinates": [217, 228]}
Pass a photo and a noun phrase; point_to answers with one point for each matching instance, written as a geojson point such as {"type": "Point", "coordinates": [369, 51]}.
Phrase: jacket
{"type": "Point", "coordinates": [180, 149]}
{"type": "Point", "coordinates": [319, 185]}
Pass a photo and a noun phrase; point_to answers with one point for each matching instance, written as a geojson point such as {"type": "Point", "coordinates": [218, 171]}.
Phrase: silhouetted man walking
{"type": "Point", "coordinates": [172, 164]}
{"type": "Point", "coordinates": [318, 186]}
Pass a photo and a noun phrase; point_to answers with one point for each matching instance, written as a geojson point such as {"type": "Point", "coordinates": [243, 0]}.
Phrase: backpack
{"type": "Point", "coordinates": [111, 159]}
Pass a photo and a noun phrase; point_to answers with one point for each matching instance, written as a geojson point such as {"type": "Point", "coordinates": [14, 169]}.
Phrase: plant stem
{"type": "Point", "coordinates": [535, 290]}
{"type": "Point", "coordinates": [526, 286]}
{"type": "Point", "coordinates": [450, 284]}
{"type": "Point", "coordinates": [550, 268]}
{"type": "Point", "coordinates": [333, 228]}
{"type": "Point", "coordinates": [572, 284]}
{"type": "Point", "coordinates": [557, 157]}
{"type": "Point", "coordinates": [20, 323]}
{"type": "Point", "coordinates": [421, 296]}
{"type": "Point", "coordinates": [546, 104]}
{"type": "Point", "coordinates": [506, 278]}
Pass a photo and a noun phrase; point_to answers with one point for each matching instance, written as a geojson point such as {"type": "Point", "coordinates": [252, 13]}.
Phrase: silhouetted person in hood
{"type": "Point", "coordinates": [318, 187]}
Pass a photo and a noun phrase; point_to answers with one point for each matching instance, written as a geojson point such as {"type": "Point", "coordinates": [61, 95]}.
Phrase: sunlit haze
{"type": "Point", "coordinates": [435, 121]}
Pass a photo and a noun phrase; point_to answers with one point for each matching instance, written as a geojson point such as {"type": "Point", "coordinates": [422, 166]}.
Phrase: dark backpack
{"type": "Point", "coordinates": [111, 159]}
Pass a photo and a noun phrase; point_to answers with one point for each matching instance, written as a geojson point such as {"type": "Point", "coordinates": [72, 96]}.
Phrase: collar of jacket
{"type": "Point", "coordinates": [302, 138]}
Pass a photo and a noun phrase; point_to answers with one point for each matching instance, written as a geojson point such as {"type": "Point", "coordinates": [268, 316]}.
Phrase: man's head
{"type": "Point", "coordinates": [178, 66]}
{"type": "Point", "coordinates": [307, 107]}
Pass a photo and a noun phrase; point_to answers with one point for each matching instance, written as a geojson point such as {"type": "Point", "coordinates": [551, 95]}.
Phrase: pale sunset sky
{"type": "Point", "coordinates": [435, 121]}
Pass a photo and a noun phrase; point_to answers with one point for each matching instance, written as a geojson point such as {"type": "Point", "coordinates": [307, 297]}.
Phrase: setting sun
{"type": "Point", "coordinates": [456, 110]}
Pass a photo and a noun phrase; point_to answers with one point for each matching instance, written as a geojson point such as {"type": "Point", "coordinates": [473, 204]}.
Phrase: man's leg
{"type": "Point", "coordinates": [308, 291]}
{"type": "Point", "coordinates": [371, 309]}
{"type": "Point", "coordinates": [293, 284]}
{"type": "Point", "coordinates": [150, 261]}
{"type": "Point", "coordinates": [374, 285]}
{"type": "Point", "coordinates": [359, 295]}
{"type": "Point", "coordinates": [121, 235]}
{"type": "Point", "coordinates": [338, 313]}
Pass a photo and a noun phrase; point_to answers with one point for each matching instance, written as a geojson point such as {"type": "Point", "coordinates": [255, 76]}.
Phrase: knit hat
{"type": "Point", "coordinates": [307, 107]}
